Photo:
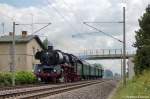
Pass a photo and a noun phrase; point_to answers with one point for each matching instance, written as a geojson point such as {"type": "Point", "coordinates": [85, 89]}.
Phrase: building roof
{"type": "Point", "coordinates": [20, 39]}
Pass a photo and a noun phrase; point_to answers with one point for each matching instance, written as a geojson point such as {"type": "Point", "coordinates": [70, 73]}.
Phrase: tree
{"type": "Point", "coordinates": [45, 43]}
{"type": "Point", "coordinates": [142, 58]}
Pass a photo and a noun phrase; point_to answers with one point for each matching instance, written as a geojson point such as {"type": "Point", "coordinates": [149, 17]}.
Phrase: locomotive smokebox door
{"type": "Point", "coordinates": [50, 48]}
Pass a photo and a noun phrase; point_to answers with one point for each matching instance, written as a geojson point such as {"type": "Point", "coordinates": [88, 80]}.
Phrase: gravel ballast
{"type": "Point", "coordinates": [96, 91]}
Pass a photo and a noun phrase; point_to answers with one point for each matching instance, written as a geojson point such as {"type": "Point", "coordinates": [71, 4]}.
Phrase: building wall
{"type": "Point", "coordinates": [32, 48]}
{"type": "Point", "coordinates": [24, 58]}
{"type": "Point", "coordinates": [20, 58]}
{"type": "Point", "coordinates": [5, 56]}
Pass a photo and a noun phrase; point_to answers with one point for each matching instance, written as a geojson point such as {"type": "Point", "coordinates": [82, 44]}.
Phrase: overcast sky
{"type": "Point", "coordinates": [67, 17]}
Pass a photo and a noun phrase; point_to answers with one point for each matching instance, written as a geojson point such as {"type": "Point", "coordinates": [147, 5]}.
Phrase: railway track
{"type": "Point", "coordinates": [2, 88]}
{"type": "Point", "coordinates": [11, 88]}
{"type": "Point", "coordinates": [43, 91]}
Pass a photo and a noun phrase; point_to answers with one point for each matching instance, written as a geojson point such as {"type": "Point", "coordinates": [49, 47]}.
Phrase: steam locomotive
{"type": "Point", "coordinates": [57, 66]}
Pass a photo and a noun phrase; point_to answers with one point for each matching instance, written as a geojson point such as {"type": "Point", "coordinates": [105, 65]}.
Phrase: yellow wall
{"type": "Point", "coordinates": [24, 58]}
{"type": "Point", "coordinates": [32, 48]}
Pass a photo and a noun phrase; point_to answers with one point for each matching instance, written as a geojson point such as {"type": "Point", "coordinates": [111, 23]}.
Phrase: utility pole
{"type": "Point", "coordinates": [124, 41]}
{"type": "Point", "coordinates": [13, 55]}
{"type": "Point", "coordinates": [124, 49]}
{"type": "Point", "coordinates": [121, 65]}
{"type": "Point", "coordinates": [32, 28]}
{"type": "Point", "coordinates": [3, 27]}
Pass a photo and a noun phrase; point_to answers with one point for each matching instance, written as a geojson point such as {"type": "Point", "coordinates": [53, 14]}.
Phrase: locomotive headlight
{"type": "Point", "coordinates": [39, 79]}
{"type": "Point", "coordinates": [39, 70]}
{"type": "Point", "coordinates": [54, 70]}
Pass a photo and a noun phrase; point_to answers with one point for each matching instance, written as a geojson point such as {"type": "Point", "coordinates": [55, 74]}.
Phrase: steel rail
{"type": "Point", "coordinates": [56, 91]}
{"type": "Point", "coordinates": [14, 93]}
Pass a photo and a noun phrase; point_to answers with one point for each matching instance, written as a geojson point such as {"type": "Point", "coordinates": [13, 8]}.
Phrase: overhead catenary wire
{"type": "Point", "coordinates": [48, 14]}
{"type": "Point", "coordinates": [41, 28]}
{"type": "Point", "coordinates": [73, 11]}
{"type": "Point", "coordinates": [88, 33]}
{"type": "Point", "coordinates": [11, 18]}
{"type": "Point", "coordinates": [105, 22]}
{"type": "Point", "coordinates": [62, 16]}
{"type": "Point", "coordinates": [79, 18]}
{"type": "Point", "coordinates": [31, 24]}
{"type": "Point", "coordinates": [103, 32]}
{"type": "Point", "coordinates": [91, 22]}
{"type": "Point", "coordinates": [35, 23]}
{"type": "Point", "coordinates": [44, 10]}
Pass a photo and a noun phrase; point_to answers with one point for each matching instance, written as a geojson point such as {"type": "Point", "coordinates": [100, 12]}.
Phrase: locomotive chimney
{"type": "Point", "coordinates": [24, 33]}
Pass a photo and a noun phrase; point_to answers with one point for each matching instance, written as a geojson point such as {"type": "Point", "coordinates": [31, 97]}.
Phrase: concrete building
{"type": "Point", "coordinates": [26, 47]}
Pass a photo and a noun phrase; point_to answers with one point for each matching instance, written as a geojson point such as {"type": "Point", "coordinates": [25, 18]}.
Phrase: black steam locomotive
{"type": "Point", "coordinates": [57, 66]}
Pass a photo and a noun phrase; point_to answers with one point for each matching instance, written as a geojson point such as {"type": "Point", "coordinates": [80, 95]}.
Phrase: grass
{"type": "Point", "coordinates": [137, 88]}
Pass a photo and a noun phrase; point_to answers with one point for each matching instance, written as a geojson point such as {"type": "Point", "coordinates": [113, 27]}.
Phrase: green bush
{"type": "Point", "coordinates": [5, 78]}
{"type": "Point", "coordinates": [21, 77]}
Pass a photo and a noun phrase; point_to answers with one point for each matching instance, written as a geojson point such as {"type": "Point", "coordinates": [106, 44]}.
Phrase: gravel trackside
{"type": "Point", "coordinates": [96, 91]}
